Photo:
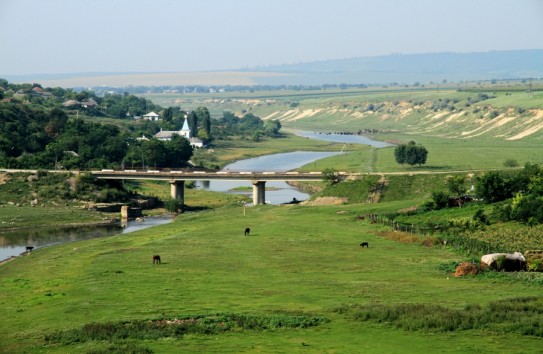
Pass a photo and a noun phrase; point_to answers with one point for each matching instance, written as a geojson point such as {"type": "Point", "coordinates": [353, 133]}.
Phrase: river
{"type": "Point", "coordinates": [277, 192]}
{"type": "Point", "coordinates": [281, 192]}
{"type": "Point", "coordinates": [344, 138]}
{"type": "Point", "coordinates": [13, 243]}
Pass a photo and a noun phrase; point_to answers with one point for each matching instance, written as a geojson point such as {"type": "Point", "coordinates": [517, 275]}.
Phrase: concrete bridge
{"type": "Point", "coordinates": [177, 179]}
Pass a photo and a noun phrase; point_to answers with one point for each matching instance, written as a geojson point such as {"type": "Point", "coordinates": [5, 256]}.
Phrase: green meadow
{"type": "Point", "coordinates": [301, 272]}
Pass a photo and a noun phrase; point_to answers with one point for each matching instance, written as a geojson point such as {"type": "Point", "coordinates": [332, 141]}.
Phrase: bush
{"type": "Point", "coordinates": [173, 205]}
{"type": "Point", "coordinates": [428, 205]}
{"type": "Point", "coordinates": [441, 199]}
{"type": "Point", "coordinates": [493, 114]}
{"type": "Point", "coordinates": [534, 265]}
{"type": "Point", "coordinates": [534, 260]}
{"type": "Point", "coordinates": [480, 217]}
{"type": "Point", "coordinates": [510, 163]}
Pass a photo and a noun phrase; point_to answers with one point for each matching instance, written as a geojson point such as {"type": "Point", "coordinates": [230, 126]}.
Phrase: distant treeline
{"type": "Point", "coordinates": [491, 85]}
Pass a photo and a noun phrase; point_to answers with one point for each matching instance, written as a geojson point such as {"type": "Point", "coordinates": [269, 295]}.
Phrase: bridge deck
{"type": "Point", "coordinates": [201, 175]}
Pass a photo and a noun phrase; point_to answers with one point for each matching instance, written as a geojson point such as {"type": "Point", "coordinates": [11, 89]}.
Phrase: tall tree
{"type": "Point", "coordinates": [193, 123]}
{"type": "Point", "coordinates": [168, 115]}
{"type": "Point", "coordinates": [205, 118]}
{"type": "Point", "coordinates": [399, 153]}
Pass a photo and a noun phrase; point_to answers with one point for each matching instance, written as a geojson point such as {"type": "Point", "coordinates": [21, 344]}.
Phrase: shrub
{"type": "Point", "coordinates": [428, 205]}
{"type": "Point", "coordinates": [480, 217]}
{"type": "Point", "coordinates": [493, 114]}
{"type": "Point", "coordinates": [441, 199]}
{"type": "Point", "coordinates": [534, 260]}
{"type": "Point", "coordinates": [534, 265]}
{"type": "Point", "coordinates": [510, 163]}
{"type": "Point", "coordinates": [173, 205]}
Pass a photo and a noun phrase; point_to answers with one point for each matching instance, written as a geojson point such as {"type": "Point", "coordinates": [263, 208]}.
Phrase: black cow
{"type": "Point", "coordinates": [247, 231]}
{"type": "Point", "coordinates": [156, 259]}
{"type": "Point", "coordinates": [29, 248]}
{"type": "Point", "coordinates": [364, 244]}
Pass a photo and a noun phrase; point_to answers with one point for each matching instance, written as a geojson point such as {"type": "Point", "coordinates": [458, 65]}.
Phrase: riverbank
{"type": "Point", "coordinates": [224, 152]}
{"type": "Point", "coordinates": [14, 243]}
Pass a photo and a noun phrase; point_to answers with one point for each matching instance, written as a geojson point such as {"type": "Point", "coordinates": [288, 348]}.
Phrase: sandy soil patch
{"type": "Point", "coordinates": [327, 201]}
{"type": "Point", "coordinates": [453, 116]}
{"type": "Point", "coordinates": [4, 178]}
{"type": "Point", "coordinates": [297, 115]}
{"type": "Point", "coordinates": [527, 132]}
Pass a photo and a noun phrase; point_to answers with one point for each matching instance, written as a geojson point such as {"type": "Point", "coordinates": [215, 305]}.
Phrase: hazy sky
{"type": "Point", "coordinates": [65, 36]}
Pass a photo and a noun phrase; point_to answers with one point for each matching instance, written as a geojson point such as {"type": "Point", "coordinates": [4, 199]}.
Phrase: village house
{"type": "Point", "coordinates": [89, 103]}
{"type": "Point", "coordinates": [151, 116]}
{"type": "Point", "coordinates": [71, 103]}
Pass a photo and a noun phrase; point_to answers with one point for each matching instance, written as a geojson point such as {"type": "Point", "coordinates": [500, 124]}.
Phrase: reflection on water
{"type": "Point", "coordinates": [344, 138]}
{"type": "Point", "coordinates": [279, 162]}
{"type": "Point", "coordinates": [13, 243]}
{"type": "Point", "coordinates": [281, 191]}
{"type": "Point", "coordinates": [284, 193]}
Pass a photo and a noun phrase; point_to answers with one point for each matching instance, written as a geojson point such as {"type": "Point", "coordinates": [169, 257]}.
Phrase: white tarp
{"type": "Point", "coordinates": [490, 258]}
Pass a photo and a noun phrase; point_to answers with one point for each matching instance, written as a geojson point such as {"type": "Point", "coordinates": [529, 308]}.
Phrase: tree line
{"type": "Point", "coordinates": [37, 132]}
{"type": "Point", "coordinates": [515, 195]}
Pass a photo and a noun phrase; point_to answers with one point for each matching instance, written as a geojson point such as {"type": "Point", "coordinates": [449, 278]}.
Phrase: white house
{"type": "Point", "coordinates": [151, 116]}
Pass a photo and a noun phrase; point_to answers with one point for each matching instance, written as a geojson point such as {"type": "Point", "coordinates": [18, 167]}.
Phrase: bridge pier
{"type": "Point", "coordinates": [259, 192]}
{"type": "Point", "coordinates": [177, 190]}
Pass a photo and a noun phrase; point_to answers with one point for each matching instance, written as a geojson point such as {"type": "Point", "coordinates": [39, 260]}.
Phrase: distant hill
{"type": "Point", "coordinates": [411, 68]}
{"type": "Point", "coordinates": [399, 68]}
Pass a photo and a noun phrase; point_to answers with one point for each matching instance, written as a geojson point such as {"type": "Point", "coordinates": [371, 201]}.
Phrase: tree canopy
{"type": "Point", "coordinates": [41, 138]}
{"type": "Point", "coordinates": [411, 154]}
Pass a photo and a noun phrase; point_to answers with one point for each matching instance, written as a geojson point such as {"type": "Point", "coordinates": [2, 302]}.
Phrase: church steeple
{"type": "Point", "coordinates": [185, 131]}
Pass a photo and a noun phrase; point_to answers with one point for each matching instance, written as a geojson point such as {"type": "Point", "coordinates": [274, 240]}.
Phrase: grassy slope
{"type": "Point", "coordinates": [460, 139]}
{"type": "Point", "coordinates": [296, 259]}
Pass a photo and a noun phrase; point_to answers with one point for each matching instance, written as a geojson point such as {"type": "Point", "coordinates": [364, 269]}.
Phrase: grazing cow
{"type": "Point", "coordinates": [364, 244]}
{"type": "Point", "coordinates": [29, 248]}
{"type": "Point", "coordinates": [247, 231]}
{"type": "Point", "coordinates": [156, 259]}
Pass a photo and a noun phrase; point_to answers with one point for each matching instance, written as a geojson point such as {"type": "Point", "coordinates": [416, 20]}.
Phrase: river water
{"type": "Point", "coordinates": [344, 138]}
{"type": "Point", "coordinates": [281, 192]}
{"type": "Point", "coordinates": [13, 243]}
{"type": "Point", "coordinates": [277, 192]}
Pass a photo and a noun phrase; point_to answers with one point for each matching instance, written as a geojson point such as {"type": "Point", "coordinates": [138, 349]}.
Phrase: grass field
{"type": "Point", "coordinates": [296, 261]}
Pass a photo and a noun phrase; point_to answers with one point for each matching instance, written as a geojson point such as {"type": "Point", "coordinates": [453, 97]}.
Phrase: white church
{"type": "Point", "coordinates": [185, 132]}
